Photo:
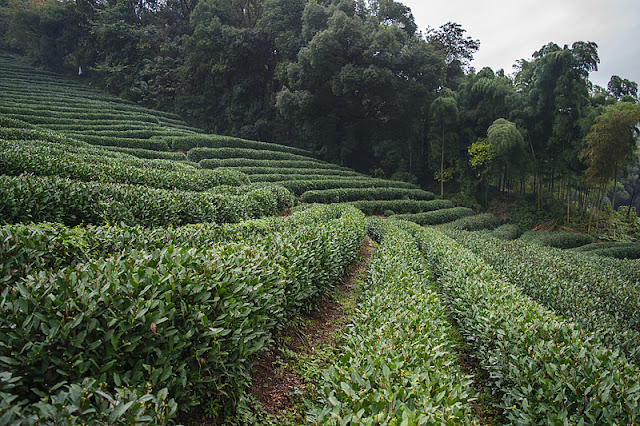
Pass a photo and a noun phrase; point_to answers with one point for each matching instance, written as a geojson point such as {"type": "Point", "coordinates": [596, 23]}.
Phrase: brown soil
{"type": "Point", "coordinates": [274, 384]}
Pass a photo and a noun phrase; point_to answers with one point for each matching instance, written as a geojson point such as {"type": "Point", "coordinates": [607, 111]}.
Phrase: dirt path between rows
{"type": "Point", "coordinates": [274, 383]}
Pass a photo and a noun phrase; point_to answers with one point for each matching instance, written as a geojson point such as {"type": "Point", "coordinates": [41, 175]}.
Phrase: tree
{"type": "Point", "coordinates": [623, 89]}
{"type": "Point", "coordinates": [444, 118]}
{"type": "Point", "coordinates": [556, 109]}
{"type": "Point", "coordinates": [610, 143]}
{"type": "Point", "coordinates": [508, 147]}
{"type": "Point", "coordinates": [458, 50]}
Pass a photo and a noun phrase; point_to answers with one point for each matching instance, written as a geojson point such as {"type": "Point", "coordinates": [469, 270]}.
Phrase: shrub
{"type": "Point", "coordinates": [558, 239]}
{"type": "Point", "coordinates": [188, 319]}
{"type": "Point", "coordinates": [340, 195]}
{"type": "Point", "coordinates": [49, 199]}
{"type": "Point", "coordinates": [379, 207]}
{"type": "Point", "coordinates": [91, 164]}
{"type": "Point", "coordinates": [508, 231]}
{"type": "Point", "coordinates": [475, 223]}
{"type": "Point", "coordinates": [187, 143]}
{"type": "Point", "coordinates": [549, 370]}
{"type": "Point", "coordinates": [198, 154]}
{"type": "Point", "coordinates": [436, 217]}
{"type": "Point", "coordinates": [397, 360]}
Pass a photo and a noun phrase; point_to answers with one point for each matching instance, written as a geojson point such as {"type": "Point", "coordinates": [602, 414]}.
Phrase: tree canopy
{"type": "Point", "coordinates": [355, 81]}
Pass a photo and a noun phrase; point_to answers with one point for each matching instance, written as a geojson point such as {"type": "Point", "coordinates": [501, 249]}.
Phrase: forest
{"type": "Point", "coordinates": [358, 83]}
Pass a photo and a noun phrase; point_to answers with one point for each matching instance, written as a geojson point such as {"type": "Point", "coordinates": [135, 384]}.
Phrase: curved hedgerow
{"type": "Point", "coordinates": [198, 154]}
{"type": "Point", "coordinates": [190, 320]}
{"type": "Point", "coordinates": [91, 164]}
{"type": "Point", "coordinates": [398, 362]}
{"type": "Point", "coordinates": [28, 198]}
{"type": "Point", "coordinates": [189, 142]}
{"type": "Point", "coordinates": [436, 217]}
{"type": "Point", "coordinates": [549, 371]}
{"type": "Point", "coordinates": [379, 207]}
{"type": "Point", "coordinates": [566, 282]}
{"type": "Point", "coordinates": [214, 163]}
{"type": "Point", "coordinates": [340, 195]}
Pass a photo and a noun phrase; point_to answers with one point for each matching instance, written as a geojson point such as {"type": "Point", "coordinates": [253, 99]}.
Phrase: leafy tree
{"type": "Point", "coordinates": [556, 108]}
{"type": "Point", "coordinates": [610, 143]}
{"type": "Point", "coordinates": [623, 89]}
{"type": "Point", "coordinates": [508, 147]}
{"type": "Point", "coordinates": [444, 118]}
{"type": "Point", "coordinates": [457, 48]}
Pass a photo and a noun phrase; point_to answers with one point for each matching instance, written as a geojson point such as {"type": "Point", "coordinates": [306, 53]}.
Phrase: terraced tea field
{"type": "Point", "coordinates": [145, 266]}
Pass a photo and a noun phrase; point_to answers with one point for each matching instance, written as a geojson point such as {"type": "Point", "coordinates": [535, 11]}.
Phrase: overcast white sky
{"type": "Point", "coordinates": [509, 30]}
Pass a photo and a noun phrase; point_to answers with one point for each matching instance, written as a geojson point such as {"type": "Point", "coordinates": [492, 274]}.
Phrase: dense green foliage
{"type": "Point", "coordinates": [399, 361]}
{"type": "Point", "coordinates": [183, 317]}
{"type": "Point", "coordinates": [549, 370]}
{"type": "Point", "coordinates": [28, 198]}
{"type": "Point", "coordinates": [436, 217]}
{"type": "Point", "coordinates": [566, 283]}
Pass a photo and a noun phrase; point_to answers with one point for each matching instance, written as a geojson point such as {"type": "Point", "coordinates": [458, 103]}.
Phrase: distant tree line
{"type": "Point", "coordinates": [355, 81]}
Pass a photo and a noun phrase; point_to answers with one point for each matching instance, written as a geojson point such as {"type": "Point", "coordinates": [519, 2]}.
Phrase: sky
{"type": "Point", "coordinates": [509, 30]}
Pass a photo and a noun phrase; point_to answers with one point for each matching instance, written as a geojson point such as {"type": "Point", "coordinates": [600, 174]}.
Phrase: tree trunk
{"type": "Point", "coordinates": [442, 167]}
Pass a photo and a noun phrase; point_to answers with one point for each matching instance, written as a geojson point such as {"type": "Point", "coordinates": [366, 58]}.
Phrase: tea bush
{"type": "Point", "coordinates": [590, 291]}
{"type": "Point", "coordinates": [508, 231]}
{"type": "Point", "coordinates": [340, 195]}
{"type": "Point", "coordinates": [187, 319]}
{"type": "Point", "coordinates": [379, 207]}
{"type": "Point", "coordinates": [436, 217]}
{"type": "Point", "coordinates": [558, 239]}
{"type": "Point", "coordinates": [475, 223]}
{"type": "Point", "coordinates": [198, 154]}
{"type": "Point", "coordinates": [398, 363]}
{"type": "Point", "coordinates": [190, 142]}
{"type": "Point", "coordinates": [28, 198]}
{"type": "Point", "coordinates": [549, 370]}
{"type": "Point", "coordinates": [91, 164]}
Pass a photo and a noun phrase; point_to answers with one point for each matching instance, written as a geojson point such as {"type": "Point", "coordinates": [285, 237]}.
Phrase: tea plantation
{"type": "Point", "coordinates": [145, 266]}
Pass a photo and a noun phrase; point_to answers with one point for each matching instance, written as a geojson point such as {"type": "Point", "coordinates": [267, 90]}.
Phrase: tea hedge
{"type": "Point", "coordinates": [268, 174]}
{"type": "Point", "coordinates": [187, 143]}
{"type": "Point", "coordinates": [29, 198]}
{"type": "Point", "coordinates": [90, 164]}
{"type": "Point", "coordinates": [474, 223]}
{"type": "Point", "coordinates": [548, 370]}
{"type": "Point", "coordinates": [436, 217]}
{"type": "Point", "coordinates": [299, 186]}
{"type": "Point", "coordinates": [340, 195]}
{"type": "Point", "coordinates": [398, 364]}
{"type": "Point", "coordinates": [198, 154]}
{"type": "Point", "coordinates": [213, 163]}
{"type": "Point", "coordinates": [190, 320]}
{"type": "Point", "coordinates": [595, 295]}
{"type": "Point", "coordinates": [379, 207]}
{"type": "Point", "coordinates": [558, 239]}
{"type": "Point", "coordinates": [508, 231]}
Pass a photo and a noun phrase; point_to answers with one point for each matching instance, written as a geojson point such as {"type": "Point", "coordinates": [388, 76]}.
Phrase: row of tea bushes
{"type": "Point", "coordinates": [299, 186]}
{"type": "Point", "coordinates": [271, 174]}
{"type": "Point", "coordinates": [582, 288]}
{"type": "Point", "coordinates": [398, 363]}
{"type": "Point", "coordinates": [340, 195]}
{"type": "Point", "coordinates": [29, 198]}
{"type": "Point", "coordinates": [382, 207]}
{"type": "Point", "coordinates": [187, 319]}
{"type": "Point", "coordinates": [198, 154]}
{"type": "Point", "coordinates": [557, 239]}
{"type": "Point", "coordinates": [616, 249]}
{"type": "Point", "coordinates": [27, 248]}
{"type": "Point", "coordinates": [482, 221]}
{"type": "Point", "coordinates": [92, 164]}
{"type": "Point", "coordinates": [436, 217]}
{"type": "Point", "coordinates": [214, 163]}
{"type": "Point", "coordinates": [548, 370]}
{"type": "Point", "coordinates": [187, 143]}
